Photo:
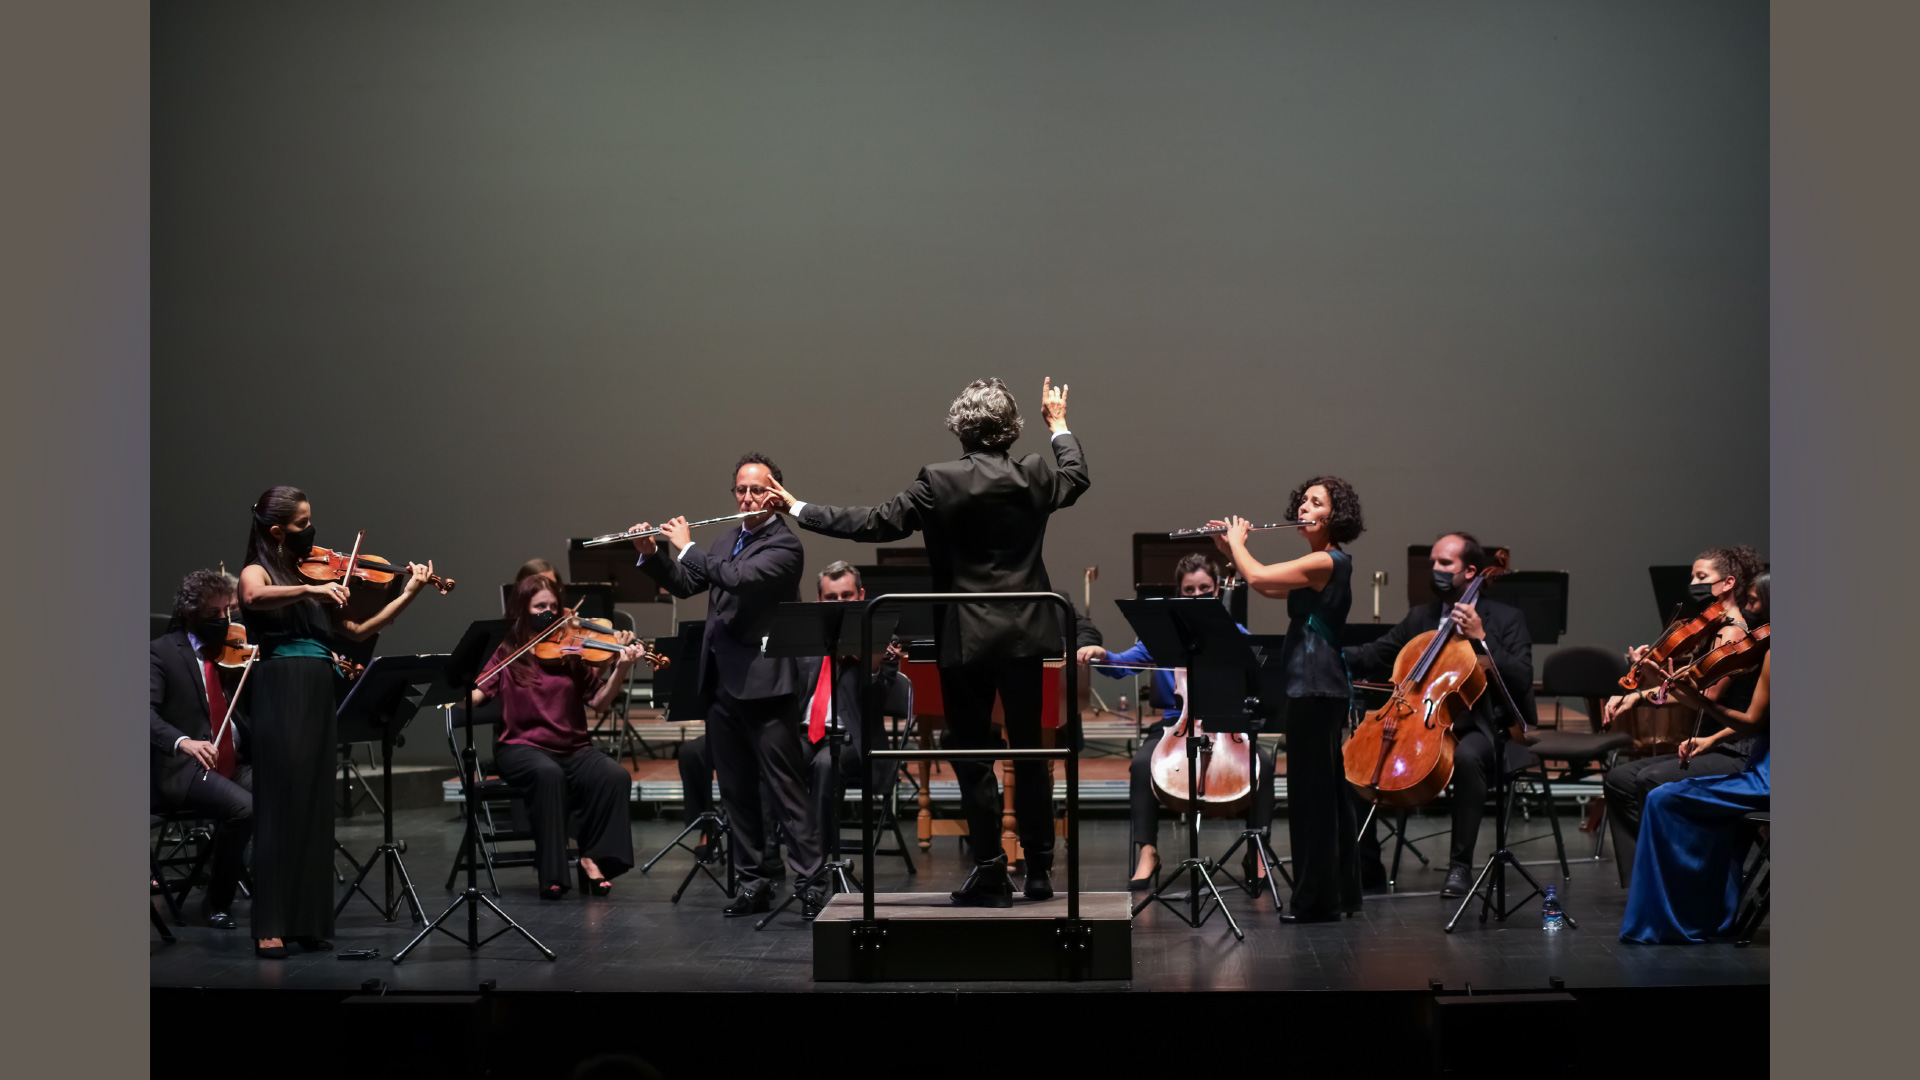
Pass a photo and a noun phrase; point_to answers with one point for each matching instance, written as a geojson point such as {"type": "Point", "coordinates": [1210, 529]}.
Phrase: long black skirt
{"type": "Point", "coordinates": [293, 772]}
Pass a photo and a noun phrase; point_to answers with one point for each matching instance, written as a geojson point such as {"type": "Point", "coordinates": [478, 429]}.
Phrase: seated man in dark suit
{"type": "Point", "coordinates": [985, 519]}
{"type": "Point", "coordinates": [188, 701]}
{"type": "Point", "coordinates": [748, 697]}
{"type": "Point", "coordinates": [1457, 559]}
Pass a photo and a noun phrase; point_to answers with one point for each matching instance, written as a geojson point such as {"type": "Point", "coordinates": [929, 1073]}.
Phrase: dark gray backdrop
{"type": "Point", "coordinates": [483, 276]}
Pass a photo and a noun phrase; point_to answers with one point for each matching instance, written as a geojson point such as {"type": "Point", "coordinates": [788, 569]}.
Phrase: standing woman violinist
{"type": "Point", "coordinates": [293, 720]}
{"type": "Point", "coordinates": [544, 746]}
{"type": "Point", "coordinates": [1317, 587]}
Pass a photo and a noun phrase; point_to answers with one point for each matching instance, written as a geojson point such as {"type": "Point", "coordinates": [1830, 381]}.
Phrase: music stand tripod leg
{"type": "Point", "coordinates": [1195, 867]}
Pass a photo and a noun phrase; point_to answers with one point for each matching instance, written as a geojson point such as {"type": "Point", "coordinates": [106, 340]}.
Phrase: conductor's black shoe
{"type": "Point", "coordinates": [987, 886]}
{"type": "Point", "coordinates": [1458, 883]}
{"type": "Point", "coordinates": [1039, 880]}
{"type": "Point", "coordinates": [812, 902]}
{"type": "Point", "coordinates": [1294, 917]}
{"type": "Point", "coordinates": [750, 902]}
{"type": "Point", "coordinates": [220, 920]}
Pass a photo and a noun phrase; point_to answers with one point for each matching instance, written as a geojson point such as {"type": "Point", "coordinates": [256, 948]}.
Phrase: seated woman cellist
{"type": "Point", "coordinates": [543, 746]}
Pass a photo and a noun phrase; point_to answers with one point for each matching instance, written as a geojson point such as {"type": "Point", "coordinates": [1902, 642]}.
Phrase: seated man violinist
{"type": "Point", "coordinates": [190, 694]}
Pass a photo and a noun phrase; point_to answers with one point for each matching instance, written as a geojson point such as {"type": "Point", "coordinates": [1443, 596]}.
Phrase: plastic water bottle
{"type": "Point", "coordinates": [1551, 917]}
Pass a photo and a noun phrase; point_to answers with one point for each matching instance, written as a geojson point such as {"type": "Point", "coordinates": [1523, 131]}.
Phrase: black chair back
{"type": "Point", "coordinates": [1582, 671]}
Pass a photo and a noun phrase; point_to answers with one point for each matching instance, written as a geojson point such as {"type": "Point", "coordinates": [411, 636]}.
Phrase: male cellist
{"type": "Point", "coordinates": [1501, 630]}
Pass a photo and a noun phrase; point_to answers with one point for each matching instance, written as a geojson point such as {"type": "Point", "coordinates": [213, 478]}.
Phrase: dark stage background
{"type": "Point", "coordinates": [483, 276]}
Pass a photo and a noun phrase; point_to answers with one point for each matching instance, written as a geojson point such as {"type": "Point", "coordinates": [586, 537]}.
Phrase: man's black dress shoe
{"type": "Point", "coordinates": [220, 920]}
{"type": "Point", "coordinates": [987, 886]}
{"type": "Point", "coordinates": [1458, 883]}
{"type": "Point", "coordinates": [1039, 883]}
{"type": "Point", "coordinates": [750, 902]}
{"type": "Point", "coordinates": [1290, 918]}
{"type": "Point", "coordinates": [812, 902]}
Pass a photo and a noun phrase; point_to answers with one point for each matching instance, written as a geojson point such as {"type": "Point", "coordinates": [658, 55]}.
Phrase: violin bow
{"type": "Point", "coordinates": [572, 617]}
{"type": "Point", "coordinates": [253, 653]}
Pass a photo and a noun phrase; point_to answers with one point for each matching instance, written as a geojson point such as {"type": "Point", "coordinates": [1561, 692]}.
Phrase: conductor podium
{"type": "Point", "coordinates": [918, 936]}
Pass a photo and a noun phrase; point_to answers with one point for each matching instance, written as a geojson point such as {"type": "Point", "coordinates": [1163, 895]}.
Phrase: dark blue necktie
{"type": "Point", "coordinates": [740, 541]}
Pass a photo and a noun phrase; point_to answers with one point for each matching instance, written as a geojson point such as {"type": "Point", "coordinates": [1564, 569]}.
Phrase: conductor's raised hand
{"type": "Point", "coordinates": [1053, 405]}
{"type": "Point", "coordinates": [778, 499]}
{"type": "Point", "coordinates": [645, 545]}
{"type": "Point", "coordinates": [677, 532]}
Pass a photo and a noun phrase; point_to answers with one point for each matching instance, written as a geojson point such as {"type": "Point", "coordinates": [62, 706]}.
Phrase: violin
{"type": "Point", "coordinates": [592, 640]}
{"type": "Point", "coordinates": [1402, 752]}
{"type": "Point", "coordinates": [324, 565]}
{"type": "Point", "coordinates": [1681, 637]}
{"type": "Point", "coordinates": [1229, 769]}
{"type": "Point", "coordinates": [1733, 658]}
{"type": "Point", "coordinates": [234, 652]}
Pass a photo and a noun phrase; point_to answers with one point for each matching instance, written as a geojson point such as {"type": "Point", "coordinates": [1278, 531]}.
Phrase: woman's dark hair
{"type": "Point", "coordinates": [985, 416]}
{"type": "Point", "coordinates": [520, 610]}
{"type": "Point", "coordinates": [276, 506]}
{"type": "Point", "coordinates": [196, 589]}
{"type": "Point", "coordinates": [1762, 590]}
{"type": "Point", "coordinates": [537, 566]}
{"type": "Point", "coordinates": [759, 459]}
{"type": "Point", "coordinates": [1473, 554]}
{"type": "Point", "coordinates": [1741, 563]}
{"type": "Point", "coordinates": [1344, 524]}
{"type": "Point", "coordinates": [1195, 562]}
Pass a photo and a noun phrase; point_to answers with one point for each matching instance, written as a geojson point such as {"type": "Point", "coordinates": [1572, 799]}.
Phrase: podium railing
{"type": "Point", "coordinates": [1065, 753]}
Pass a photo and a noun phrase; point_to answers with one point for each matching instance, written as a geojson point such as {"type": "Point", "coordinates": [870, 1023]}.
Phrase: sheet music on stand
{"type": "Point", "coordinates": [1197, 633]}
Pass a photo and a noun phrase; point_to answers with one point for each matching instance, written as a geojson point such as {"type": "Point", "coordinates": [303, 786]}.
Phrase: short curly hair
{"type": "Point", "coordinates": [199, 587]}
{"type": "Point", "coordinates": [1345, 524]}
{"type": "Point", "coordinates": [1741, 563]}
{"type": "Point", "coordinates": [985, 416]}
{"type": "Point", "coordinates": [752, 458]}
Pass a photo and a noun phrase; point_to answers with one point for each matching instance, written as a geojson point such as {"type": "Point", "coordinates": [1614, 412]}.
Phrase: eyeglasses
{"type": "Point", "coordinates": [741, 489]}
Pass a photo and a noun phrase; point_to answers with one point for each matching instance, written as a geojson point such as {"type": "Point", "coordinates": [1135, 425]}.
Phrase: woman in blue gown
{"type": "Point", "coordinates": [1686, 873]}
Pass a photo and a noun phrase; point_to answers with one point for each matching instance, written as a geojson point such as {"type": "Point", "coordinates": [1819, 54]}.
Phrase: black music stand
{"type": "Point", "coordinates": [814, 630]}
{"type": "Point", "coordinates": [382, 702]}
{"type": "Point", "coordinates": [683, 697]}
{"type": "Point", "coordinates": [1491, 884]}
{"type": "Point", "coordinates": [1220, 671]}
{"type": "Point", "coordinates": [458, 679]}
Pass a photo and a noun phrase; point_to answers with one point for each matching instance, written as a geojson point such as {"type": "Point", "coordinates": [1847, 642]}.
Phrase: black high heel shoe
{"type": "Point", "coordinates": [593, 886]}
{"type": "Point", "coordinates": [269, 952]}
{"type": "Point", "coordinates": [1147, 882]}
{"type": "Point", "coordinates": [553, 892]}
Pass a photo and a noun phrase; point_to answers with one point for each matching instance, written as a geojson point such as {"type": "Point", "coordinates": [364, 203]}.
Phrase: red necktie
{"type": "Point", "coordinates": [822, 702]}
{"type": "Point", "coordinates": [224, 758]}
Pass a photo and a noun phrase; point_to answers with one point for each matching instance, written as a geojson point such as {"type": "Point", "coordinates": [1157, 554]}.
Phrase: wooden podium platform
{"type": "Point", "coordinates": [925, 937]}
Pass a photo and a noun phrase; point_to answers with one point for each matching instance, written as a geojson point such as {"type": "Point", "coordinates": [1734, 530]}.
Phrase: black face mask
{"type": "Point", "coordinates": [1700, 591]}
{"type": "Point", "coordinates": [212, 631]}
{"type": "Point", "coordinates": [542, 619]}
{"type": "Point", "coordinates": [1443, 586]}
{"type": "Point", "coordinates": [299, 544]}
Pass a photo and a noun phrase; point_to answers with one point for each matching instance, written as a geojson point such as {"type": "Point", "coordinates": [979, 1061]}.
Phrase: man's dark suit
{"type": "Point", "coordinates": [748, 698]}
{"type": "Point", "coordinates": [178, 708]}
{"type": "Point", "coordinates": [1512, 650]}
{"type": "Point", "coordinates": [985, 521]}
{"type": "Point", "coordinates": [849, 703]}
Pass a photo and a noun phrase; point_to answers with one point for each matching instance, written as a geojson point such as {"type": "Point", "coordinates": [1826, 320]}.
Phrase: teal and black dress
{"type": "Point", "coordinates": [293, 769]}
{"type": "Point", "coordinates": [1320, 819]}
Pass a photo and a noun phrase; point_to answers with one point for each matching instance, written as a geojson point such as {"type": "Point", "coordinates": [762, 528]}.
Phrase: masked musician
{"type": "Point", "coordinates": [749, 698]}
{"type": "Point", "coordinates": [1318, 590]}
{"type": "Point", "coordinates": [1198, 576]}
{"type": "Point", "coordinates": [1501, 630]}
{"type": "Point", "coordinates": [293, 698]}
{"type": "Point", "coordinates": [1719, 574]}
{"type": "Point", "coordinates": [985, 521]}
{"type": "Point", "coordinates": [1687, 866]}
{"type": "Point", "coordinates": [195, 765]}
{"type": "Point", "coordinates": [544, 746]}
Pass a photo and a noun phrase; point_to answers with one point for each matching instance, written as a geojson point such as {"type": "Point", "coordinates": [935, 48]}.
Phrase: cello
{"type": "Point", "coordinates": [1402, 752]}
{"type": "Point", "coordinates": [1228, 766]}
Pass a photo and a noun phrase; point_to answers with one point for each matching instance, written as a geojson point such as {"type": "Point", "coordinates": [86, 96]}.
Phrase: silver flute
{"type": "Point", "coordinates": [615, 538]}
{"type": "Point", "coordinates": [1221, 530]}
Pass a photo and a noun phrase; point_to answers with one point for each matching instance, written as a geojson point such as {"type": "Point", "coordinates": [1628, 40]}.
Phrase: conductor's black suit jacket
{"type": "Point", "coordinates": [179, 708]}
{"type": "Point", "coordinates": [742, 591]}
{"type": "Point", "coordinates": [985, 521]}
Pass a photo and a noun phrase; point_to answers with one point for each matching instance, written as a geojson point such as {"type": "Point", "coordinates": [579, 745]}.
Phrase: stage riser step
{"type": "Point", "coordinates": [924, 938]}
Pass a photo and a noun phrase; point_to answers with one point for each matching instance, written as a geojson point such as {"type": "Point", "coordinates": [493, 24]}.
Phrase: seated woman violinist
{"type": "Point", "coordinates": [543, 745]}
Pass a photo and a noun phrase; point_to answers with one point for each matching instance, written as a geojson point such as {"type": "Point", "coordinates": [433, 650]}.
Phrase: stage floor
{"type": "Point", "coordinates": [636, 941]}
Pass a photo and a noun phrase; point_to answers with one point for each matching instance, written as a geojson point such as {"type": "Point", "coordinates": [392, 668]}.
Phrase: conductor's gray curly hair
{"type": "Point", "coordinates": [985, 416]}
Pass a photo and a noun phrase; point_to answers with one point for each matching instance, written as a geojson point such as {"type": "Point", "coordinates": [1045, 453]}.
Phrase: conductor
{"type": "Point", "coordinates": [985, 521]}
